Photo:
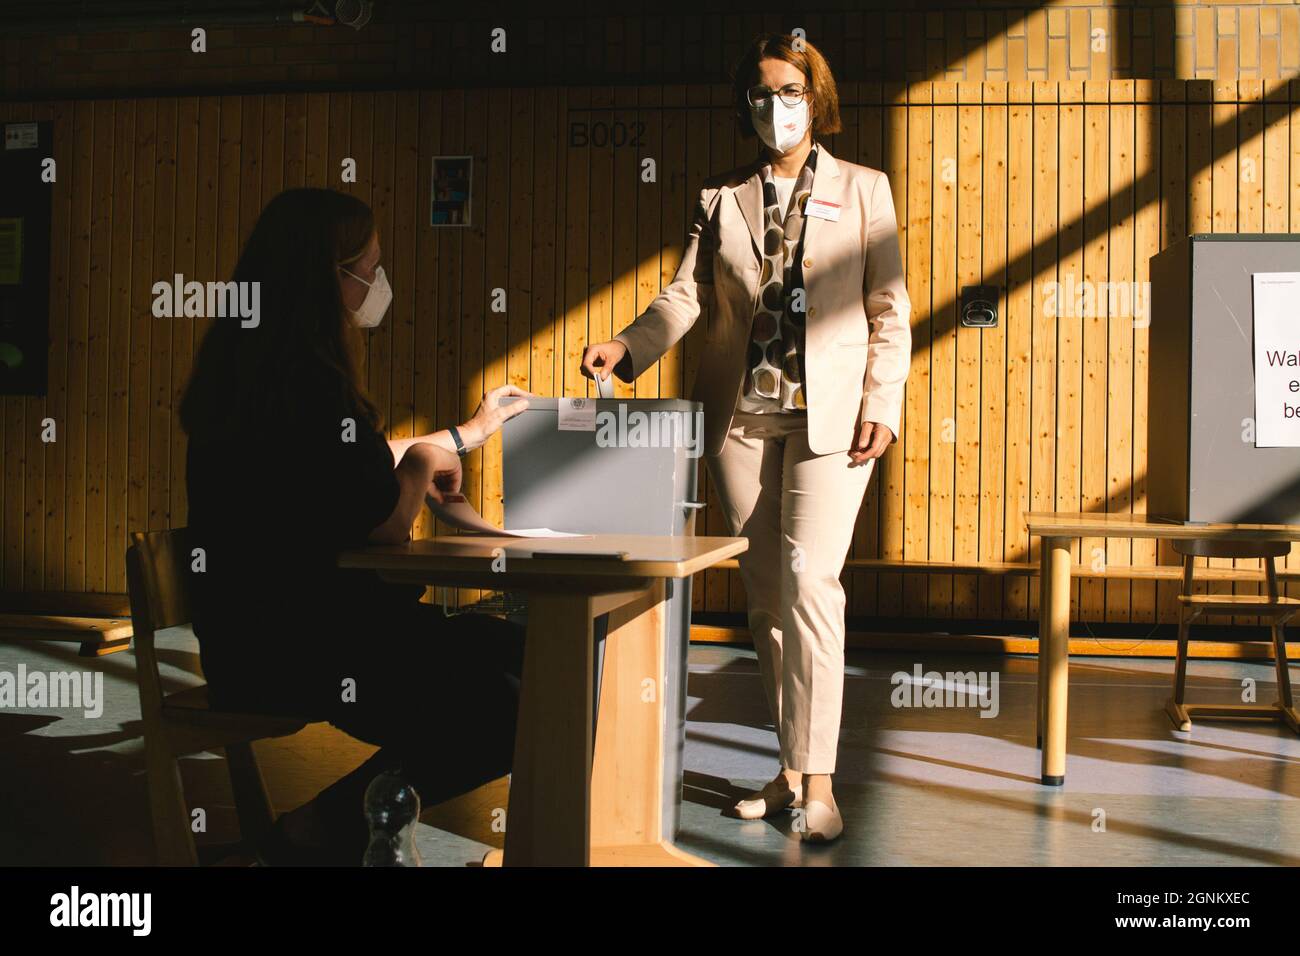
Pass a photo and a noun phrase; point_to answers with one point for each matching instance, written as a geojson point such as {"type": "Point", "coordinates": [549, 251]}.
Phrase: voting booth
{"type": "Point", "coordinates": [1224, 390]}
{"type": "Point", "coordinates": [601, 466]}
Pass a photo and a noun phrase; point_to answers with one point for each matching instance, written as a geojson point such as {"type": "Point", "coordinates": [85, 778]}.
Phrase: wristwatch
{"type": "Point", "coordinates": [460, 445]}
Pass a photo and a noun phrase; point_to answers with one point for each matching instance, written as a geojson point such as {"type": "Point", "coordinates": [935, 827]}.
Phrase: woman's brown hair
{"type": "Point", "coordinates": [824, 101]}
{"type": "Point", "coordinates": [300, 360]}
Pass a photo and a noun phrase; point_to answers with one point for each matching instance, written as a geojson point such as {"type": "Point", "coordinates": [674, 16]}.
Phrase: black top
{"type": "Point", "coordinates": [272, 508]}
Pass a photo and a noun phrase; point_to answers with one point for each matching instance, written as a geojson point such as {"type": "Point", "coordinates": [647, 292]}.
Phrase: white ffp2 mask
{"type": "Point", "coordinates": [378, 298]}
{"type": "Point", "coordinates": [779, 126]}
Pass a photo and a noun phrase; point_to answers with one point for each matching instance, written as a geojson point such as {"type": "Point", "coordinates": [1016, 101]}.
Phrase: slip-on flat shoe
{"type": "Point", "coordinates": [821, 823]}
{"type": "Point", "coordinates": [760, 807]}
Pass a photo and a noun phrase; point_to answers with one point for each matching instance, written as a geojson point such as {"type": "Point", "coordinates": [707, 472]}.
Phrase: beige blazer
{"type": "Point", "coordinates": [859, 341]}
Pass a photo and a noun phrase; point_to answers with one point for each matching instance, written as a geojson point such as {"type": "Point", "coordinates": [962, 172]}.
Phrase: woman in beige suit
{"type": "Point", "coordinates": [802, 383]}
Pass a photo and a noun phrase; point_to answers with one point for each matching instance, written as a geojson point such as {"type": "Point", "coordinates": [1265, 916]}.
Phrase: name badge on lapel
{"type": "Point", "coordinates": [822, 209]}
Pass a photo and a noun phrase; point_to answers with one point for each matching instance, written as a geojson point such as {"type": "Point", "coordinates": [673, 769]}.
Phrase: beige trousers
{"type": "Point", "coordinates": [798, 510]}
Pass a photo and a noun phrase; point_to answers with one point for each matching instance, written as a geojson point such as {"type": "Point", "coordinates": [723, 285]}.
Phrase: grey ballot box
{"type": "Point", "coordinates": [1202, 384]}
{"type": "Point", "coordinates": [635, 473]}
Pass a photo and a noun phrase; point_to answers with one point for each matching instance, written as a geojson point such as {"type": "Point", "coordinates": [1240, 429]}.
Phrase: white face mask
{"type": "Point", "coordinates": [779, 126]}
{"type": "Point", "coordinates": [376, 302]}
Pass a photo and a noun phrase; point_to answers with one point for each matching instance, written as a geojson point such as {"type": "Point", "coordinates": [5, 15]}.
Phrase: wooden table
{"type": "Point", "coordinates": [1058, 529]}
{"type": "Point", "coordinates": [575, 801]}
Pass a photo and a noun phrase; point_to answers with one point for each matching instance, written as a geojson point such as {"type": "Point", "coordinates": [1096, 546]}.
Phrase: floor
{"type": "Point", "coordinates": [916, 785]}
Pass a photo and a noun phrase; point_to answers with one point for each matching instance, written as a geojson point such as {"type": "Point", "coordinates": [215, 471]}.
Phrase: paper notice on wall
{"type": "Point", "coordinates": [1277, 359]}
{"type": "Point", "coordinates": [22, 136]}
{"type": "Point", "coordinates": [455, 510]}
{"type": "Point", "coordinates": [577, 415]}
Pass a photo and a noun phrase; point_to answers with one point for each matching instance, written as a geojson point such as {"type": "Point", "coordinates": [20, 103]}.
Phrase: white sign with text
{"type": "Point", "coordinates": [1277, 359]}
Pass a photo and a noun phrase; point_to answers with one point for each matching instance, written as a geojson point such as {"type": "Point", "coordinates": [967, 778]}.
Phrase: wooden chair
{"type": "Point", "coordinates": [181, 723]}
{"type": "Point", "coordinates": [1274, 608]}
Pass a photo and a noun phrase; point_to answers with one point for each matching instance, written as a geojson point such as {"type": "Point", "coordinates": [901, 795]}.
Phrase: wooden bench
{"type": "Point", "coordinates": [99, 623]}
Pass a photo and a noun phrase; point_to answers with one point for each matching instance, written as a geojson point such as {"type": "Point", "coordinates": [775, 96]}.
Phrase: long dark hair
{"type": "Point", "coordinates": [301, 356]}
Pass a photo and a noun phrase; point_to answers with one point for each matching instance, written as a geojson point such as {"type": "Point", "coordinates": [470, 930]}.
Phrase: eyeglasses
{"type": "Point", "coordinates": [791, 94]}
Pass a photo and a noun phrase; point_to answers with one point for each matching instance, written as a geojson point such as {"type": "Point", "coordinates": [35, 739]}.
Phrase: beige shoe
{"type": "Point", "coordinates": [821, 824]}
{"type": "Point", "coordinates": [757, 808]}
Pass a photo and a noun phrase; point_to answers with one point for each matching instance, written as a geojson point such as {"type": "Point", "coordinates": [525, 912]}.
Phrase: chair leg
{"type": "Point", "coordinates": [1284, 698]}
{"type": "Point", "coordinates": [1177, 712]}
{"type": "Point", "coordinates": [251, 801]}
{"type": "Point", "coordinates": [173, 838]}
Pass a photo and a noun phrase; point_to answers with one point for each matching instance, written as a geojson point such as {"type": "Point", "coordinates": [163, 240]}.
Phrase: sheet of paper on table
{"type": "Point", "coordinates": [456, 511]}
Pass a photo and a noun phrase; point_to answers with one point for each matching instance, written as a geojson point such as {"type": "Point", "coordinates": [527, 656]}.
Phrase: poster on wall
{"type": "Point", "coordinates": [1277, 359]}
{"type": "Point", "coordinates": [453, 177]}
{"type": "Point", "coordinates": [25, 218]}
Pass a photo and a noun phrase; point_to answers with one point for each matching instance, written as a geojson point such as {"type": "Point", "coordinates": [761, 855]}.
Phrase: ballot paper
{"type": "Point", "coordinates": [605, 387]}
{"type": "Point", "coordinates": [455, 510]}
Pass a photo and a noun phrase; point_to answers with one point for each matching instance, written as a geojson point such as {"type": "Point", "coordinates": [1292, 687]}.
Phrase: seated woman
{"type": "Point", "coordinates": [287, 467]}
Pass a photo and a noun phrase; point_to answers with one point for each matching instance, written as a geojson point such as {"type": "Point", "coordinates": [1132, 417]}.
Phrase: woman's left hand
{"type": "Point", "coordinates": [491, 415]}
{"type": "Point", "coordinates": [870, 442]}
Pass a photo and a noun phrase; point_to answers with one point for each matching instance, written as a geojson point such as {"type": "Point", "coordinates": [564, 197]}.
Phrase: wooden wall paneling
{"type": "Point", "coordinates": [968, 347]}
{"type": "Point", "coordinates": [56, 402]}
{"type": "Point", "coordinates": [97, 340]}
{"type": "Point", "coordinates": [1117, 436]}
{"type": "Point", "coordinates": [1094, 454]}
{"type": "Point", "coordinates": [1146, 243]}
{"type": "Point", "coordinates": [647, 132]}
{"type": "Point", "coordinates": [140, 309]}
{"type": "Point", "coordinates": [473, 304]}
{"type": "Point", "coordinates": [1070, 238]}
{"type": "Point", "coordinates": [203, 266]}
{"type": "Point", "coordinates": [1043, 403]}
{"type": "Point", "coordinates": [401, 254]}
{"type": "Point", "coordinates": [869, 150]}
{"type": "Point", "coordinates": [360, 146]}
{"type": "Point", "coordinates": [944, 434]}
{"type": "Point", "coordinates": [449, 141]}
{"type": "Point", "coordinates": [185, 263]}
{"type": "Point", "coordinates": [893, 467]}
{"type": "Point", "coordinates": [34, 412]}
{"type": "Point", "coordinates": [426, 282]}
{"type": "Point", "coordinates": [522, 239]}
{"type": "Point", "coordinates": [1020, 316]}
{"type": "Point", "coordinates": [546, 306]}
{"type": "Point", "coordinates": [918, 425]}
{"type": "Point", "coordinates": [162, 470]}
{"type": "Point", "coordinates": [992, 361]}
{"type": "Point", "coordinates": [316, 171]}
{"type": "Point", "coordinates": [625, 186]}
{"type": "Point", "coordinates": [848, 145]}
{"type": "Point", "coordinates": [723, 590]}
{"type": "Point", "coordinates": [375, 142]}
{"type": "Point", "coordinates": [251, 147]}
{"type": "Point", "coordinates": [600, 217]}
{"type": "Point", "coordinates": [295, 140]}
{"type": "Point", "coordinates": [1172, 152]}
{"type": "Point", "coordinates": [16, 449]}
{"type": "Point", "coordinates": [118, 312]}
{"type": "Point", "coordinates": [577, 199]}
{"type": "Point", "coordinates": [496, 325]}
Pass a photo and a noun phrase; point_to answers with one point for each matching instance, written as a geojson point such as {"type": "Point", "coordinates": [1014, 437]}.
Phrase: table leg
{"type": "Point", "coordinates": [627, 771]}
{"type": "Point", "coordinates": [1054, 656]}
{"type": "Point", "coordinates": [549, 818]}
